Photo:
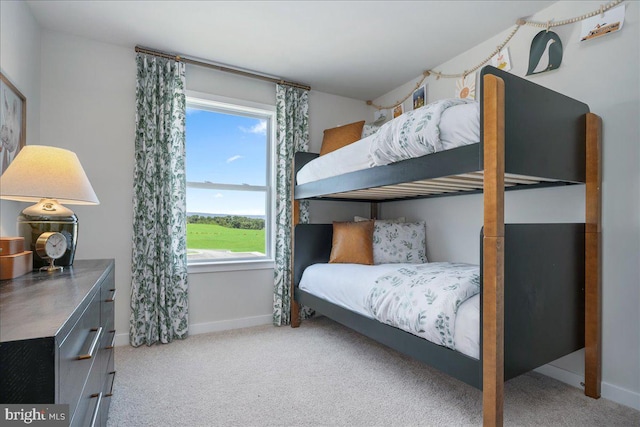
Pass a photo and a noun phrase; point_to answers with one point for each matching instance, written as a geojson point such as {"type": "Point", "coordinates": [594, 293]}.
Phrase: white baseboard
{"type": "Point", "coordinates": [225, 325]}
{"type": "Point", "coordinates": [121, 340]}
{"type": "Point", "coordinates": [203, 328]}
{"type": "Point", "coordinates": [608, 391]}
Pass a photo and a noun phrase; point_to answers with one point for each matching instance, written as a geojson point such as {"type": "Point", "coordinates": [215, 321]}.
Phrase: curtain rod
{"type": "Point", "coordinates": [219, 67]}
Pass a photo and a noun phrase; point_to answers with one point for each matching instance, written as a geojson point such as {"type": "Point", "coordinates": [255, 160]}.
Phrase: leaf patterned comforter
{"type": "Point", "coordinates": [413, 134]}
{"type": "Point", "coordinates": [424, 299]}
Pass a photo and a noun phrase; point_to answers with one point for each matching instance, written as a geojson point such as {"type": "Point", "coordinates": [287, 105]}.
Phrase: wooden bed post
{"type": "Point", "coordinates": [493, 253]}
{"type": "Point", "coordinates": [593, 236]}
{"type": "Point", "coordinates": [295, 218]}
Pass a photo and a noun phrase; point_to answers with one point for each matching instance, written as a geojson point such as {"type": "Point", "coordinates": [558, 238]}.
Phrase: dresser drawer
{"type": "Point", "coordinates": [108, 297]}
{"type": "Point", "coordinates": [93, 407]}
{"type": "Point", "coordinates": [88, 411]}
{"type": "Point", "coordinates": [107, 390]}
{"type": "Point", "coordinates": [77, 353]}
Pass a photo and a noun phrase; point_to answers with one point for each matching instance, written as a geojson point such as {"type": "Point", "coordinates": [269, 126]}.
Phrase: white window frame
{"type": "Point", "coordinates": [223, 104]}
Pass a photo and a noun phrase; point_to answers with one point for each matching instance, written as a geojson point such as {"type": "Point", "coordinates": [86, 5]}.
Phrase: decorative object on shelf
{"type": "Point", "coordinates": [13, 122]}
{"type": "Point", "coordinates": [51, 246]}
{"type": "Point", "coordinates": [502, 60]}
{"type": "Point", "coordinates": [545, 54]}
{"type": "Point", "coordinates": [48, 176]}
{"type": "Point", "coordinates": [466, 87]}
{"type": "Point", "coordinates": [14, 260]}
{"type": "Point", "coordinates": [420, 97]}
{"type": "Point", "coordinates": [602, 24]}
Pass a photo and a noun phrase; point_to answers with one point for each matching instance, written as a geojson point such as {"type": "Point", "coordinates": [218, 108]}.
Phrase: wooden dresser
{"type": "Point", "coordinates": [56, 339]}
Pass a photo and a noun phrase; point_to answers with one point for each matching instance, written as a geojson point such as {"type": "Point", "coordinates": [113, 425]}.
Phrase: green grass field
{"type": "Point", "coordinates": [213, 236]}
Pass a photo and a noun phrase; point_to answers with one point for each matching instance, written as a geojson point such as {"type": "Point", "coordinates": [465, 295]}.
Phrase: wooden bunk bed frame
{"type": "Point", "coordinates": [530, 137]}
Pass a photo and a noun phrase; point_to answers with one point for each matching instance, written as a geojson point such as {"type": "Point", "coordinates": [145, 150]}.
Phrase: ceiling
{"type": "Point", "coordinates": [358, 49]}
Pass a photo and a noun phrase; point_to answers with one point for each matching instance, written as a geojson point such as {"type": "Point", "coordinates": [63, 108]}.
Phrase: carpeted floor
{"type": "Point", "coordinates": [322, 374]}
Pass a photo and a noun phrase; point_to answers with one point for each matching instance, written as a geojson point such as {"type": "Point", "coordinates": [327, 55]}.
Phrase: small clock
{"type": "Point", "coordinates": [51, 245]}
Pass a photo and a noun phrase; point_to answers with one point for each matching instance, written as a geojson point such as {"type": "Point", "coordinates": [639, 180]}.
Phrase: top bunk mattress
{"type": "Point", "coordinates": [436, 127]}
{"type": "Point", "coordinates": [543, 133]}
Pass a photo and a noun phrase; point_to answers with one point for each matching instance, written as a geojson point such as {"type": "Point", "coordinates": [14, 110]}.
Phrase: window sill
{"type": "Point", "coordinates": [240, 265]}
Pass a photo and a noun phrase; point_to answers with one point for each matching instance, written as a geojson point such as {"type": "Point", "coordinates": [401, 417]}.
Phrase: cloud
{"type": "Point", "coordinates": [218, 195]}
{"type": "Point", "coordinates": [233, 159]}
{"type": "Point", "coordinates": [259, 128]}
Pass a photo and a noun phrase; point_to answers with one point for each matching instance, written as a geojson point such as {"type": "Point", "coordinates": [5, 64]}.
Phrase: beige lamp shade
{"type": "Point", "coordinates": [42, 172]}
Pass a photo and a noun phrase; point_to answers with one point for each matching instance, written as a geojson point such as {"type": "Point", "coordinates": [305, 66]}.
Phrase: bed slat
{"type": "Point", "coordinates": [453, 184]}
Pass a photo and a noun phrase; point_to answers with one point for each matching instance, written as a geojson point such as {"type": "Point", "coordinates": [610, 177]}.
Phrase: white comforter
{"type": "Point", "coordinates": [459, 125]}
{"type": "Point", "coordinates": [413, 134]}
{"type": "Point", "coordinates": [423, 299]}
{"type": "Point", "coordinates": [335, 283]}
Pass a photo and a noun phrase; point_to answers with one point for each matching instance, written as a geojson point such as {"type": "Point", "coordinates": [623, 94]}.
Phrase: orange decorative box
{"type": "Point", "coordinates": [11, 245]}
{"type": "Point", "coordinates": [14, 260]}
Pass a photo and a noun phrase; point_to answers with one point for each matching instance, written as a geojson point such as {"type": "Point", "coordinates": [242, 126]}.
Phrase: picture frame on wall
{"type": "Point", "coordinates": [420, 97]}
{"type": "Point", "coordinates": [13, 122]}
{"type": "Point", "coordinates": [398, 110]}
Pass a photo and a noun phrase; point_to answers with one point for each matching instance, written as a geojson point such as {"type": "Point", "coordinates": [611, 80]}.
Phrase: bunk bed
{"type": "Point", "coordinates": [540, 283]}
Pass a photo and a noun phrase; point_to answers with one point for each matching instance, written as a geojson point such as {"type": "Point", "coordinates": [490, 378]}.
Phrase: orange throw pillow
{"type": "Point", "coordinates": [341, 136]}
{"type": "Point", "coordinates": [352, 243]}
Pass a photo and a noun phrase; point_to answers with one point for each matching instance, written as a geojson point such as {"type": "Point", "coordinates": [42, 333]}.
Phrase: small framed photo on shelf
{"type": "Point", "coordinates": [13, 122]}
{"type": "Point", "coordinates": [420, 97]}
{"type": "Point", "coordinates": [398, 110]}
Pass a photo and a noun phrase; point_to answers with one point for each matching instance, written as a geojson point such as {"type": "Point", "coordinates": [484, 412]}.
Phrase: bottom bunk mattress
{"type": "Point", "coordinates": [437, 301]}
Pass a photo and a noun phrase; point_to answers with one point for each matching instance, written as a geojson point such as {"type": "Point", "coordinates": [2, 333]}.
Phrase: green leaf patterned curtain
{"type": "Point", "coordinates": [159, 303]}
{"type": "Point", "coordinates": [292, 135]}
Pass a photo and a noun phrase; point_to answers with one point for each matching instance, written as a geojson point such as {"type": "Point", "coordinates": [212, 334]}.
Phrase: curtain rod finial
{"type": "Point", "coordinates": [369, 102]}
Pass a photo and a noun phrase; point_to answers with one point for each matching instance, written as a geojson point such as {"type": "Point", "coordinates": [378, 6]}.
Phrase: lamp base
{"type": "Point", "coordinates": [32, 222]}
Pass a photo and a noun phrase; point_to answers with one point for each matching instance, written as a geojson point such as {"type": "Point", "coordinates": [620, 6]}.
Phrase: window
{"type": "Point", "coordinates": [229, 147]}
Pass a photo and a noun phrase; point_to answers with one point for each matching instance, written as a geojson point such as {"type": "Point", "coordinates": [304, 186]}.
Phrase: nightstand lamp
{"type": "Point", "coordinates": [48, 176]}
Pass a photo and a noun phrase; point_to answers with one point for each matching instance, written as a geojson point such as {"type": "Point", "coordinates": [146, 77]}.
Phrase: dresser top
{"type": "Point", "coordinates": [39, 304]}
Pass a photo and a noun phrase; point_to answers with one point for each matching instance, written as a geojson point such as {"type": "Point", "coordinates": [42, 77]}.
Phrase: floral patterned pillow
{"type": "Point", "coordinates": [399, 242]}
{"type": "Point", "coordinates": [368, 130]}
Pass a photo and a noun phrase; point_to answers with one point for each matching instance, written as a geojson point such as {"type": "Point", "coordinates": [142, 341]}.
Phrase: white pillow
{"type": "Point", "coordinates": [397, 242]}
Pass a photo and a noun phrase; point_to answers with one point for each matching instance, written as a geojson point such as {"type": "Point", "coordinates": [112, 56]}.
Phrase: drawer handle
{"type": "Point", "coordinates": [113, 340]}
{"type": "Point", "coordinates": [113, 295]}
{"type": "Point", "coordinates": [94, 417]}
{"type": "Point", "coordinates": [113, 380]}
{"type": "Point", "coordinates": [94, 344]}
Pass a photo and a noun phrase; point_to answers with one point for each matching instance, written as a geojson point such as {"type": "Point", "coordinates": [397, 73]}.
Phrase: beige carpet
{"type": "Point", "coordinates": [322, 374]}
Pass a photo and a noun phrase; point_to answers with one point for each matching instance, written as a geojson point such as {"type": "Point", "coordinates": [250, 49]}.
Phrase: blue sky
{"type": "Point", "coordinates": [227, 149]}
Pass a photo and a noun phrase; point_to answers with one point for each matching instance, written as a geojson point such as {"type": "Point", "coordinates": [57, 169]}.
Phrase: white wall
{"type": "Point", "coordinates": [88, 106]}
{"type": "Point", "coordinates": [604, 74]}
{"type": "Point", "coordinates": [20, 63]}
{"type": "Point", "coordinates": [328, 111]}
